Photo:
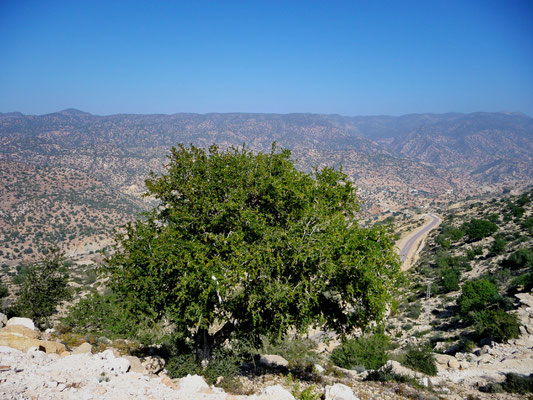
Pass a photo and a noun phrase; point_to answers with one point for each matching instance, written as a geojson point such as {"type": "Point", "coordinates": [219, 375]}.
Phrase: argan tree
{"type": "Point", "coordinates": [244, 245]}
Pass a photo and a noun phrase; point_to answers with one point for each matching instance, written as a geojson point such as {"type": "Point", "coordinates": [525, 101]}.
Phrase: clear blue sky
{"type": "Point", "coordinates": [346, 57]}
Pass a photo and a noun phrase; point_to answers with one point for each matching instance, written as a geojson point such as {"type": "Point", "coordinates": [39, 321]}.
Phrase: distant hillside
{"type": "Point", "coordinates": [397, 162]}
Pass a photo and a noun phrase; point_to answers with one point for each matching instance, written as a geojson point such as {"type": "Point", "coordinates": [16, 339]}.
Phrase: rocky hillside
{"type": "Point", "coordinates": [482, 250]}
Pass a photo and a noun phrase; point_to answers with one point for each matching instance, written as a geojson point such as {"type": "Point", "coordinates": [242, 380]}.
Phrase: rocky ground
{"type": "Point", "coordinates": [32, 367]}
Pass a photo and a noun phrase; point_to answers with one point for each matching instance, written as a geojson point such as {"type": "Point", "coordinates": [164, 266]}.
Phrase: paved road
{"type": "Point", "coordinates": [413, 239]}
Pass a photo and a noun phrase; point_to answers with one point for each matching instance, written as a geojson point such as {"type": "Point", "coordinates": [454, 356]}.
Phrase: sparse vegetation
{"type": "Point", "coordinates": [368, 352]}
{"type": "Point", "coordinates": [420, 358]}
{"type": "Point", "coordinates": [43, 287]}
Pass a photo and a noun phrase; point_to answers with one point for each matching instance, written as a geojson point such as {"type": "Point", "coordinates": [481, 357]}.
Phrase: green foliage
{"type": "Point", "coordinates": [223, 363]}
{"type": "Point", "coordinates": [516, 211]}
{"type": "Point", "coordinates": [523, 281]}
{"type": "Point", "coordinates": [420, 358]}
{"type": "Point", "coordinates": [496, 324]}
{"type": "Point", "coordinates": [478, 229]}
{"type": "Point", "coordinates": [183, 365]}
{"type": "Point", "coordinates": [450, 278]}
{"type": "Point", "coordinates": [105, 315]}
{"type": "Point", "coordinates": [476, 296]}
{"type": "Point", "coordinates": [369, 352]}
{"type": "Point", "coordinates": [528, 225]}
{"type": "Point", "coordinates": [515, 383]}
{"type": "Point", "coordinates": [3, 291]}
{"type": "Point", "coordinates": [44, 285]}
{"type": "Point", "coordinates": [294, 350]}
{"type": "Point", "coordinates": [497, 247]}
{"type": "Point", "coordinates": [305, 394]}
{"type": "Point", "coordinates": [250, 242]}
{"type": "Point", "coordinates": [522, 258]}
{"type": "Point", "coordinates": [448, 235]}
{"type": "Point", "coordinates": [414, 310]}
{"type": "Point", "coordinates": [386, 374]}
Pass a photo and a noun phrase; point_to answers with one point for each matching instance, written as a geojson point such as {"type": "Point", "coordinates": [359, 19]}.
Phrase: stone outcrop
{"type": "Point", "coordinates": [273, 361]}
{"type": "Point", "coordinates": [28, 323]}
{"type": "Point", "coordinates": [339, 392]}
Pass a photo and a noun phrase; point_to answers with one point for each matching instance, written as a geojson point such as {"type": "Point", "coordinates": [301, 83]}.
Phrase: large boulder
{"type": "Point", "coordinates": [273, 361]}
{"type": "Point", "coordinates": [83, 348]}
{"type": "Point", "coordinates": [28, 323]}
{"type": "Point", "coordinates": [19, 330]}
{"type": "Point", "coordinates": [276, 392]}
{"type": "Point", "coordinates": [18, 342]}
{"type": "Point", "coordinates": [192, 384]}
{"type": "Point", "coordinates": [51, 347]}
{"type": "Point", "coordinates": [135, 364]}
{"type": "Point", "coordinates": [339, 392]}
{"type": "Point", "coordinates": [117, 366]}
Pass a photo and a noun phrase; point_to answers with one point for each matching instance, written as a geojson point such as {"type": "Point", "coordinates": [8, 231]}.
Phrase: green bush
{"type": "Point", "coordinates": [386, 374]}
{"type": "Point", "coordinates": [476, 296]}
{"type": "Point", "coordinates": [452, 233]}
{"type": "Point", "coordinates": [497, 247]}
{"type": "Point", "coordinates": [3, 291]}
{"type": "Point", "coordinates": [293, 349]}
{"type": "Point", "coordinates": [105, 315]}
{"type": "Point", "coordinates": [224, 363]}
{"type": "Point", "coordinates": [513, 383]}
{"type": "Point", "coordinates": [43, 286]}
{"type": "Point", "coordinates": [420, 358]}
{"type": "Point", "coordinates": [369, 352]}
{"type": "Point", "coordinates": [183, 365]}
{"type": "Point", "coordinates": [522, 258]}
{"type": "Point", "coordinates": [496, 324]}
{"type": "Point", "coordinates": [528, 225]}
{"type": "Point", "coordinates": [523, 281]}
{"type": "Point", "coordinates": [478, 229]}
{"type": "Point", "coordinates": [414, 310]}
{"type": "Point", "coordinates": [450, 278]}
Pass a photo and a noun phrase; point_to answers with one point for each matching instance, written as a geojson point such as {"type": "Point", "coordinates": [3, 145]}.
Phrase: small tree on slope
{"type": "Point", "coordinates": [244, 245]}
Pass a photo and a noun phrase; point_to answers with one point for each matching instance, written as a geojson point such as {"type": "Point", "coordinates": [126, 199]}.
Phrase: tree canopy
{"type": "Point", "coordinates": [244, 245]}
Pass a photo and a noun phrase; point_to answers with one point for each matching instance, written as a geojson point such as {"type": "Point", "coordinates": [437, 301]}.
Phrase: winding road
{"type": "Point", "coordinates": [408, 245]}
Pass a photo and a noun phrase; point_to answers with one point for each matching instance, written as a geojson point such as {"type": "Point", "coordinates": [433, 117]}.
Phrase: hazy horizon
{"type": "Point", "coordinates": [346, 58]}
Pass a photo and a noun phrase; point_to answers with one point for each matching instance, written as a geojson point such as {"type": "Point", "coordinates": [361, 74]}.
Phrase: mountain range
{"type": "Point", "coordinates": [397, 162]}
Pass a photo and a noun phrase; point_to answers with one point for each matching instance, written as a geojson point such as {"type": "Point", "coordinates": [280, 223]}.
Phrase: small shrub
{"type": "Point", "coordinates": [420, 358]}
{"type": "Point", "coordinates": [43, 286]}
{"type": "Point", "coordinates": [496, 324]}
{"type": "Point", "coordinates": [295, 350]}
{"type": "Point", "coordinates": [497, 247]}
{"type": "Point", "coordinates": [522, 258]}
{"type": "Point", "coordinates": [478, 229]}
{"type": "Point", "coordinates": [450, 278]}
{"type": "Point", "coordinates": [522, 282]}
{"type": "Point", "coordinates": [386, 374]}
{"type": "Point", "coordinates": [183, 365]}
{"type": "Point", "coordinates": [515, 383]}
{"type": "Point", "coordinates": [476, 295]}
{"type": "Point", "coordinates": [414, 310]}
{"type": "Point", "coordinates": [104, 315]}
{"type": "Point", "coordinates": [369, 352]}
{"type": "Point", "coordinates": [3, 291]}
{"type": "Point", "coordinates": [224, 363]}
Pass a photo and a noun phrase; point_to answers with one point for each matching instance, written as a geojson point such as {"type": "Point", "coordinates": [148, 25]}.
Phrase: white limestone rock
{"type": "Point", "coordinates": [273, 360]}
{"type": "Point", "coordinates": [276, 392]}
{"type": "Point", "coordinates": [339, 392]}
{"type": "Point", "coordinates": [26, 322]}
